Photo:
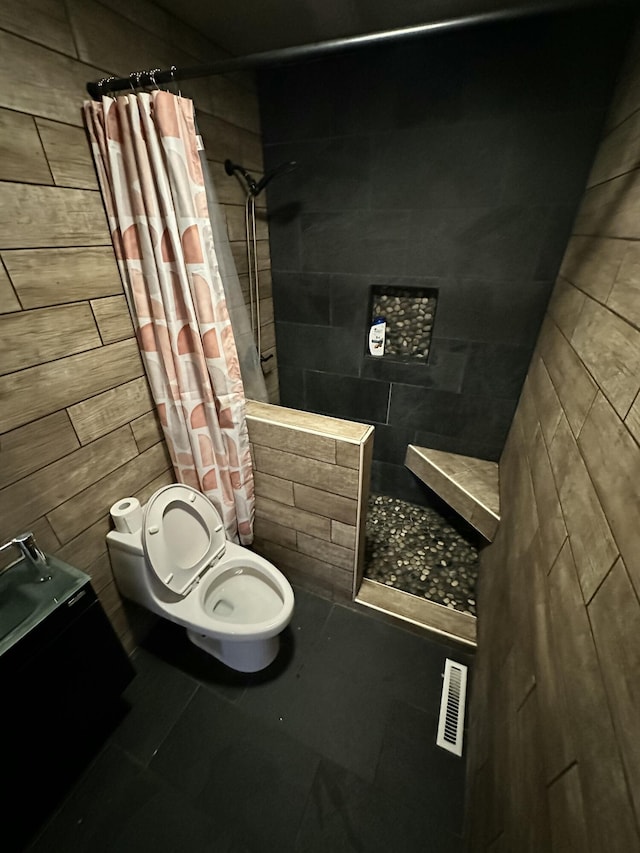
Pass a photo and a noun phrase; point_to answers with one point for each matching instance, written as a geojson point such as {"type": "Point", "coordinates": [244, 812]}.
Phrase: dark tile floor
{"type": "Point", "coordinates": [424, 550]}
{"type": "Point", "coordinates": [330, 749]}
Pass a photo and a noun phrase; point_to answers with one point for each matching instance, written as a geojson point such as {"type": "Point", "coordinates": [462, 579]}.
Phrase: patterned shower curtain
{"type": "Point", "coordinates": [146, 155]}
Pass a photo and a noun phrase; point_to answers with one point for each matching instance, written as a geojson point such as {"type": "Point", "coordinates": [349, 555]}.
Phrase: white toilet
{"type": "Point", "coordinates": [179, 564]}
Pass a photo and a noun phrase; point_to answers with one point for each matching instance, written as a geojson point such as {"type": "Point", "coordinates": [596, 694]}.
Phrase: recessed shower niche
{"type": "Point", "coordinates": [408, 314]}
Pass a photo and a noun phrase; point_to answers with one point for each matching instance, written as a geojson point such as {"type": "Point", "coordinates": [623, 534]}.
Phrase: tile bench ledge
{"type": "Point", "coordinates": [470, 486]}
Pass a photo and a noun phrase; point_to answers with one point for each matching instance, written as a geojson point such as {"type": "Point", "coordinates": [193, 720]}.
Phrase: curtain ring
{"type": "Point", "coordinates": [173, 70]}
{"type": "Point", "coordinates": [152, 76]}
{"type": "Point", "coordinates": [104, 83]}
{"type": "Point", "coordinates": [131, 76]}
{"type": "Point", "coordinates": [103, 86]}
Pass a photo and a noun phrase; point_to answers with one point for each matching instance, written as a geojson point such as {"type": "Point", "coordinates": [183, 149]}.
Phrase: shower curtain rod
{"type": "Point", "coordinates": [282, 56]}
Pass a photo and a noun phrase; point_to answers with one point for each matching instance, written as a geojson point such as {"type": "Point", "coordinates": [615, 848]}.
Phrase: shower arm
{"type": "Point", "coordinates": [254, 187]}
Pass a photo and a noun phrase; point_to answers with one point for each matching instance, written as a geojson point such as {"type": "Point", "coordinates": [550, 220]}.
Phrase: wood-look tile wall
{"type": "Point", "coordinates": [312, 484]}
{"type": "Point", "coordinates": [77, 427]}
{"type": "Point", "coordinates": [555, 730]}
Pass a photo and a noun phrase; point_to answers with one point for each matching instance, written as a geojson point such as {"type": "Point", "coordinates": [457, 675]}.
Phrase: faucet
{"type": "Point", "coordinates": [26, 544]}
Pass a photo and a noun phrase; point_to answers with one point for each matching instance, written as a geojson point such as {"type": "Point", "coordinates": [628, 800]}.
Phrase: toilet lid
{"type": "Point", "coordinates": [182, 536]}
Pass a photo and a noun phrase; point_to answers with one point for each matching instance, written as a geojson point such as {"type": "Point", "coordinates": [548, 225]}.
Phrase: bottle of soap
{"type": "Point", "coordinates": [377, 334]}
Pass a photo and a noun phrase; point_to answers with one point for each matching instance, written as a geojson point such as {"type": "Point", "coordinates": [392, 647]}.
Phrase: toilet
{"type": "Point", "coordinates": [177, 563]}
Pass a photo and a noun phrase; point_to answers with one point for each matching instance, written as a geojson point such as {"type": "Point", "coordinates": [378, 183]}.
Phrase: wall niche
{"type": "Point", "coordinates": [409, 314]}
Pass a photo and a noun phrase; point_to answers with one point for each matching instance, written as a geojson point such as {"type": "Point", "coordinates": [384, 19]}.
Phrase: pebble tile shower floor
{"type": "Point", "coordinates": [416, 549]}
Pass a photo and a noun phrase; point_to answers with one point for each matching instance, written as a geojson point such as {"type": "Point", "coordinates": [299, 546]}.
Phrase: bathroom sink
{"type": "Point", "coordinates": [25, 601]}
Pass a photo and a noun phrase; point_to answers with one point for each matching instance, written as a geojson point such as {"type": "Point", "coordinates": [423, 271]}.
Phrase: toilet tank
{"type": "Point", "coordinates": [128, 564]}
{"type": "Point", "coordinates": [133, 577]}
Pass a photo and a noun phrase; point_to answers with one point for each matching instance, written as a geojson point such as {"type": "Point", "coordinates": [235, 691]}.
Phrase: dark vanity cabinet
{"type": "Point", "coordinates": [61, 686]}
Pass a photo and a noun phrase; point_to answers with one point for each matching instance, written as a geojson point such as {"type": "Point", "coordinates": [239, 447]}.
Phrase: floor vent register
{"type": "Point", "coordinates": [452, 704]}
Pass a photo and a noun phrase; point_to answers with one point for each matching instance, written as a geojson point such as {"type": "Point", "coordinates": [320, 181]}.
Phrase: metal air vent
{"type": "Point", "coordinates": [452, 704]}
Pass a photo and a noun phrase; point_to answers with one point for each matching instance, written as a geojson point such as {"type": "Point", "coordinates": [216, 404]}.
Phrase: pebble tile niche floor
{"type": "Point", "coordinates": [409, 317]}
{"type": "Point", "coordinates": [415, 549]}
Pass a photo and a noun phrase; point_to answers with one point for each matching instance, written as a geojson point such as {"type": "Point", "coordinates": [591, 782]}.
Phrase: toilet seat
{"type": "Point", "coordinates": [182, 536]}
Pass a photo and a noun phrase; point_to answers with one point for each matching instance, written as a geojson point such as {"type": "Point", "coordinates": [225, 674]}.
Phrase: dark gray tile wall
{"type": "Point", "coordinates": [453, 162]}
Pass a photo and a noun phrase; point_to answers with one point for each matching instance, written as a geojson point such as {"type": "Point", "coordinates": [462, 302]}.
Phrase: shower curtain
{"type": "Point", "coordinates": [146, 155]}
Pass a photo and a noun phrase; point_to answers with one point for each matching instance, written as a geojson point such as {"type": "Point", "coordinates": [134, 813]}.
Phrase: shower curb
{"type": "Point", "coordinates": [418, 613]}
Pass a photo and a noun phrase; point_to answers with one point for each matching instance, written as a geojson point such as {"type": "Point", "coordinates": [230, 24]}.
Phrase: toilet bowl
{"type": "Point", "coordinates": [178, 564]}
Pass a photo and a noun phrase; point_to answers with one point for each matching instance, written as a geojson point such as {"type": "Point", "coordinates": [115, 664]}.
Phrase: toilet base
{"type": "Point", "coordinates": [243, 656]}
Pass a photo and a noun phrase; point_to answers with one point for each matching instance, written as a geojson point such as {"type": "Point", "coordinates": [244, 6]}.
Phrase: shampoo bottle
{"type": "Point", "coordinates": [376, 336]}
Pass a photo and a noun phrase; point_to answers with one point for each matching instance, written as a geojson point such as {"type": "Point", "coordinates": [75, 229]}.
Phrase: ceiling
{"type": "Point", "coordinates": [250, 26]}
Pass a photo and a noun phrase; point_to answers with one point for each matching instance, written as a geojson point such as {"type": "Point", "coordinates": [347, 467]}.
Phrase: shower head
{"type": "Point", "coordinates": [282, 169]}
{"type": "Point", "coordinates": [254, 187]}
